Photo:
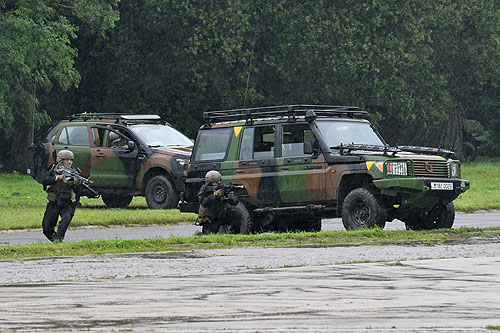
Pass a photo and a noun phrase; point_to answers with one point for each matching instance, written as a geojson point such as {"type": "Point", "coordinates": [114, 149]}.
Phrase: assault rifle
{"type": "Point", "coordinates": [226, 187]}
{"type": "Point", "coordinates": [73, 175]}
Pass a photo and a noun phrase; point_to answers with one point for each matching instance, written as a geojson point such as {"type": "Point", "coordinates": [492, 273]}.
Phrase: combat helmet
{"type": "Point", "coordinates": [113, 136]}
{"type": "Point", "coordinates": [212, 176]}
{"type": "Point", "coordinates": [65, 155]}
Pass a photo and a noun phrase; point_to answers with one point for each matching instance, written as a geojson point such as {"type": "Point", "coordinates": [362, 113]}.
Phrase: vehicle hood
{"type": "Point", "coordinates": [406, 155]}
{"type": "Point", "coordinates": [183, 152]}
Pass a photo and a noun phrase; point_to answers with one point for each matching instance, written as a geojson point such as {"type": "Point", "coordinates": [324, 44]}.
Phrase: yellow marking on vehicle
{"type": "Point", "coordinates": [369, 164]}
{"type": "Point", "coordinates": [237, 130]}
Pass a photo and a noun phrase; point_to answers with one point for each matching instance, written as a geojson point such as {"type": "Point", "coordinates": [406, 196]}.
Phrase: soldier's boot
{"type": "Point", "coordinates": [56, 238]}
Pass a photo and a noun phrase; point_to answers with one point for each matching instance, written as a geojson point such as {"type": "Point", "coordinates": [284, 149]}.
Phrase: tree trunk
{"type": "Point", "coordinates": [15, 155]}
{"type": "Point", "coordinates": [451, 136]}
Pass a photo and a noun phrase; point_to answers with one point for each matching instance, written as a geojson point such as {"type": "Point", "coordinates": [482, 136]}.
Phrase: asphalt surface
{"type": "Point", "coordinates": [344, 289]}
{"type": "Point", "coordinates": [448, 287]}
{"type": "Point", "coordinates": [13, 237]}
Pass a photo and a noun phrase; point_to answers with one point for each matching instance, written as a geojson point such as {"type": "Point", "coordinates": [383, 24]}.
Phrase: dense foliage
{"type": "Point", "coordinates": [412, 64]}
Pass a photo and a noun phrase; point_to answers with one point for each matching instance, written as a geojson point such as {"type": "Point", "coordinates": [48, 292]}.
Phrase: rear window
{"type": "Point", "coordinates": [74, 135]}
{"type": "Point", "coordinates": [212, 144]}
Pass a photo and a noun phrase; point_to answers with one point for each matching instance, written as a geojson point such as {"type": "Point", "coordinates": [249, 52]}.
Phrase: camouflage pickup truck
{"type": "Point", "coordinates": [300, 163]}
{"type": "Point", "coordinates": [125, 155]}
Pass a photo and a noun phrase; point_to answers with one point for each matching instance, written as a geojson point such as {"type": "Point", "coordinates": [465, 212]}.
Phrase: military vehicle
{"type": "Point", "coordinates": [475, 137]}
{"type": "Point", "coordinates": [124, 155]}
{"type": "Point", "coordinates": [300, 163]}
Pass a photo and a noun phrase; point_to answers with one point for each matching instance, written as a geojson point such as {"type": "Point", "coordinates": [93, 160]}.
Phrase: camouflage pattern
{"type": "Point", "coordinates": [310, 185]}
{"type": "Point", "coordinates": [115, 171]}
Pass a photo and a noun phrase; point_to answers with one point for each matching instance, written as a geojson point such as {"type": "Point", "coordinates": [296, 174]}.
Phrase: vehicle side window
{"type": "Point", "coordinates": [100, 137]}
{"type": "Point", "coordinates": [104, 138]}
{"type": "Point", "coordinates": [257, 143]}
{"type": "Point", "coordinates": [212, 144]}
{"type": "Point", "coordinates": [293, 137]}
{"type": "Point", "coordinates": [97, 137]}
{"type": "Point", "coordinates": [246, 150]}
{"type": "Point", "coordinates": [78, 135]}
{"type": "Point", "coordinates": [63, 137]}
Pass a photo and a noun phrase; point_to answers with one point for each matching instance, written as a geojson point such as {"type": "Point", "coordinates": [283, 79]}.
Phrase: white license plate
{"type": "Point", "coordinates": [442, 186]}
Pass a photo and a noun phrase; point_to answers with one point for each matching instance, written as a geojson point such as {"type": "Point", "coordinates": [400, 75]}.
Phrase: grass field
{"type": "Point", "coordinates": [22, 204]}
{"type": "Point", "coordinates": [22, 201]}
{"type": "Point", "coordinates": [324, 238]}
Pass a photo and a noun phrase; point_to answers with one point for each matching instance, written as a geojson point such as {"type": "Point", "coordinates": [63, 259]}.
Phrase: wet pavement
{"type": "Point", "coordinates": [449, 287]}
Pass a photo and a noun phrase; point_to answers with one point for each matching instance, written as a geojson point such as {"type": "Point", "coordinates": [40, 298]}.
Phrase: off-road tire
{"type": "Point", "coordinates": [244, 226]}
{"type": "Point", "coordinates": [470, 151]}
{"type": "Point", "coordinates": [439, 217]}
{"type": "Point", "coordinates": [161, 194]}
{"type": "Point", "coordinates": [362, 210]}
{"type": "Point", "coordinates": [116, 201]}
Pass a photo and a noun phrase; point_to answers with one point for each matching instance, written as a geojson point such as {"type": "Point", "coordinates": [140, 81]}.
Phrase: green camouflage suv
{"type": "Point", "coordinates": [300, 163]}
{"type": "Point", "coordinates": [124, 155]}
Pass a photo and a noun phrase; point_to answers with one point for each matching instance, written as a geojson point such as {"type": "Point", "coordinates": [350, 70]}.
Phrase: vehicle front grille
{"type": "Point", "coordinates": [427, 168]}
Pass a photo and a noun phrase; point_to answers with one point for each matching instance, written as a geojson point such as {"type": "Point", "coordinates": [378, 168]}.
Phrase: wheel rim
{"type": "Point", "coordinates": [159, 193]}
{"type": "Point", "coordinates": [361, 213]}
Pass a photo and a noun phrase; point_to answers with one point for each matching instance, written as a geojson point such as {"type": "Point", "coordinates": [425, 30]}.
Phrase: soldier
{"type": "Point", "coordinates": [62, 198]}
{"type": "Point", "coordinates": [117, 141]}
{"type": "Point", "coordinates": [215, 207]}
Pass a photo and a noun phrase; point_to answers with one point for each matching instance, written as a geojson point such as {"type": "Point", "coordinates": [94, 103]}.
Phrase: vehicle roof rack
{"type": "Point", "coordinates": [117, 117]}
{"type": "Point", "coordinates": [285, 111]}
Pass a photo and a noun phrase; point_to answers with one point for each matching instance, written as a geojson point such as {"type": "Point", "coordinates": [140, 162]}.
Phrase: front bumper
{"type": "Point", "coordinates": [425, 185]}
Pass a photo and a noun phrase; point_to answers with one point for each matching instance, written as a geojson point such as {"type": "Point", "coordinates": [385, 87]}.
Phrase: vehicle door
{"type": "Point", "coordinates": [301, 175]}
{"type": "Point", "coordinates": [114, 163]}
{"type": "Point", "coordinates": [76, 139]}
{"type": "Point", "coordinates": [256, 167]}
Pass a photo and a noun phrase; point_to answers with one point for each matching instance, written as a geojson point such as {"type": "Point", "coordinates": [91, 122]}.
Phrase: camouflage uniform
{"type": "Point", "coordinates": [62, 202]}
{"type": "Point", "coordinates": [215, 209]}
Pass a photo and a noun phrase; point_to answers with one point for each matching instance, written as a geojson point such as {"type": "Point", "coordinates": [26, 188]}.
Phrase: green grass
{"type": "Point", "coordinates": [22, 204]}
{"type": "Point", "coordinates": [22, 201]}
{"type": "Point", "coordinates": [492, 327]}
{"type": "Point", "coordinates": [324, 238]}
{"type": "Point", "coordinates": [484, 192]}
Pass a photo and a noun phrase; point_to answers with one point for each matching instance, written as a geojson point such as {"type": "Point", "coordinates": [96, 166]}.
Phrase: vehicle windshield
{"type": "Point", "coordinates": [336, 133]}
{"type": "Point", "coordinates": [161, 136]}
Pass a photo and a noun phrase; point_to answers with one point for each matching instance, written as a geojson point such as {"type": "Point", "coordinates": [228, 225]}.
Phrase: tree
{"type": "Point", "coordinates": [36, 54]}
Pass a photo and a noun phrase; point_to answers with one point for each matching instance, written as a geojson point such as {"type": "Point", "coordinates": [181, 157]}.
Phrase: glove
{"type": "Point", "coordinates": [230, 195]}
{"type": "Point", "coordinates": [219, 193]}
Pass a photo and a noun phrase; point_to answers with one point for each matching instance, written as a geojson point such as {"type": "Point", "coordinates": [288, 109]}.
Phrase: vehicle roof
{"type": "Point", "coordinates": [267, 121]}
{"type": "Point", "coordinates": [113, 118]}
{"type": "Point", "coordinates": [281, 113]}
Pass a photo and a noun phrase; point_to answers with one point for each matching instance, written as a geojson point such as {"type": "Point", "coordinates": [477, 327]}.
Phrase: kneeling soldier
{"type": "Point", "coordinates": [62, 198]}
{"type": "Point", "coordinates": [215, 205]}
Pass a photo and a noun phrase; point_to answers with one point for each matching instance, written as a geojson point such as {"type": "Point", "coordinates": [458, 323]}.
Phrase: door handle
{"type": "Point", "coordinates": [285, 168]}
{"type": "Point", "coordinates": [238, 171]}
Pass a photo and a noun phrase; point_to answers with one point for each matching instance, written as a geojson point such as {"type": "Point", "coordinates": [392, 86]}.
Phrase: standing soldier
{"type": "Point", "coordinates": [215, 207]}
{"type": "Point", "coordinates": [62, 198]}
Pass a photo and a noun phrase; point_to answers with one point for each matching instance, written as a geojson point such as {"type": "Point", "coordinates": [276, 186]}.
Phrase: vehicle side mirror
{"type": "Point", "coordinates": [131, 145]}
{"type": "Point", "coordinates": [308, 148]}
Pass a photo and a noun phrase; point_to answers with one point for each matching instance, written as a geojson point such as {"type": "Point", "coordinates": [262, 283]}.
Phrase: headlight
{"type": "Point", "coordinates": [397, 168]}
{"type": "Point", "coordinates": [455, 170]}
{"type": "Point", "coordinates": [181, 162]}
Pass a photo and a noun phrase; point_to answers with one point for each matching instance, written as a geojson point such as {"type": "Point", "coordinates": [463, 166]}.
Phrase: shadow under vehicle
{"type": "Point", "coordinates": [300, 163]}
{"type": "Point", "coordinates": [124, 155]}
